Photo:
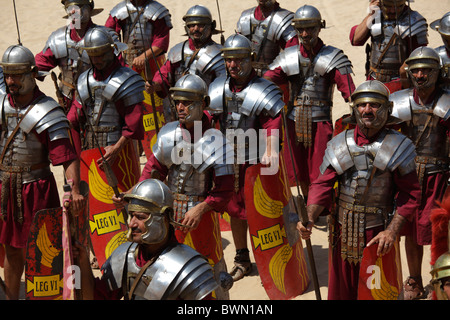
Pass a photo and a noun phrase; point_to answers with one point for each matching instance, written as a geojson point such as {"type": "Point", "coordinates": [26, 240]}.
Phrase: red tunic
{"type": "Point", "coordinates": [343, 276]}
{"type": "Point", "coordinates": [38, 195]}
{"type": "Point", "coordinates": [161, 32]}
{"type": "Point", "coordinates": [217, 197]}
{"type": "Point", "coordinates": [132, 127]}
{"type": "Point", "coordinates": [433, 189]}
{"type": "Point", "coordinates": [307, 160]}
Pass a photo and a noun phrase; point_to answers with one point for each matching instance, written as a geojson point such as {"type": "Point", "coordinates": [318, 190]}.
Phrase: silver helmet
{"type": "Point", "coordinates": [238, 46]}
{"type": "Point", "coordinates": [201, 15]}
{"type": "Point", "coordinates": [82, 9]}
{"type": "Point", "coordinates": [440, 273]}
{"type": "Point", "coordinates": [443, 27]}
{"type": "Point", "coordinates": [191, 88]}
{"type": "Point", "coordinates": [425, 58]}
{"type": "Point", "coordinates": [153, 197]}
{"type": "Point", "coordinates": [372, 91]}
{"type": "Point", "coordinates": [18, 59]}
{"type": "Point", "coordinates": [308, 17]}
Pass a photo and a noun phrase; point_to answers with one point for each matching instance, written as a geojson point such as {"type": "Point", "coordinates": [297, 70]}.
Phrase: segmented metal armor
{"type": "Point", "coordinates": [138, 32]}
{"type": "Point", "coordinates": [99, 98]}
{"type": "Point", "coordinates": [179, 272]}
{"type": "Point", "coordinates": [265, 34]}
{"type": "Point", "coordinates": [366, 189]}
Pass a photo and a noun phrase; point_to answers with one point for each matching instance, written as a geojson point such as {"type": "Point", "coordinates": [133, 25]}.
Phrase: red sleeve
{"type": "Point", "coordinates": [153, 164]}
{"type": "Point", "coordinates": [271, 124]}
{"type": "Point", "coordinates": [277, 76]}
{"type": "Point", "coordinates": [344, 84]}
{"type": "Point", "coordinates": [166, 70]}
{"type": "Point", "coordinates": [113, 23]}
{"type": "Point", "coordinates": [409, 194]}
{"type": "Point", "coordinates": [102, 292]}
{"type": "Point", "coordinates": [133, 127]}
{"type": "Point", "coordinates": [46, 61]}
{"type": "Point", "coordinates": [59, 151]}
{"type": "Point", "coordinates": [222, 192]}
{"type": "Point", "coordinates": [352, 36]}
{"type": "Point", "coordinates": [161, 35]}
{"type": "Point", "coordinates": [321, 190]}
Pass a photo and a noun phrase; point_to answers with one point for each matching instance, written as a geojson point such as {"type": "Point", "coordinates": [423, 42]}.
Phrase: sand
{"type": "Point", "coordinates": [38, 19]}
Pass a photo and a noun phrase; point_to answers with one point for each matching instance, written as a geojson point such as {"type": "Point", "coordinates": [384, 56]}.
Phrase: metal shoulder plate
{"type": "Point", "coordinates": [288, 60]}
{"type": "Point", "coordinates": [153, 11]}
{"type": "Point", "coordinates": [168, 137]}
{"type": "Point", "coordinates": [57, 43]}
{"type": "Point", "coordinates": [244, 25]}
{"type": "Point", "coordinates": [401, 104]}
{"type": "Point", "coordinates": [330, 58]}
{"type": "Point", "coordinates": [281, 26]}
{"type": "Point", "coordinates": [262, 95]}
{"type": "Point", "coordinates": [180, 272]}
{"type": "Point", "coordinates": [419, 26]}
{"type": "Point", "coordinates": [337, 153]}
{"type": "Point", "coordinates": [119, 11]}
{"type": "Point", "coordinates": [175, 54]}
{"type": "Point", "coordinates": [396, 152]}
{"type": "Point", "coordinates": [442, 107]}
{"type": "Point", "coordinates": [2, 82]}
{"type": "Point", "coordinates": [211, 59]}
{"type": "Point", "coordinates": [216, 94]}
{"type": "Point", "coordinates": [44, 114]}
{"type": "Point", "coordinates": [83, 86]}
{"type": "Point", "coordinates": [213, 150]}
{"type": "Point", "coordinates": [113, 268]}
{"type": "Point", "coordinates": [126, 85]}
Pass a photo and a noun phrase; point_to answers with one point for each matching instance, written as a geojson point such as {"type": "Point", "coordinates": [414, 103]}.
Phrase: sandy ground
{"type": "Point", "coordinates": [38, 19]}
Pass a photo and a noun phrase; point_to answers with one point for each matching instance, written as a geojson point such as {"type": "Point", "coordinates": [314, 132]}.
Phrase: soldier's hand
{"type": "Point", "coordinates": [385, 239]}
{"type": "Point", "coordinates": [118, 201]}
{"type": "Point", "coordinates": [110, 155]}
{"type": "Point", "coordinates": [305, 232]}
{"type": "Point", "coordinates": [78, 202]}
{"type": "Point", "coordinates": [150, 87]}
{"type": "Point", "coordinates": [372, 4]}
{"type": "Point", "coordinates": [139, 62]}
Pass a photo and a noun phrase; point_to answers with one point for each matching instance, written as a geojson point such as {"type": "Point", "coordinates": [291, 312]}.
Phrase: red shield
{"type": "Point", "coordinates": [148, 114]}
{"type": "Point", "coordinates": [44, 256]}
{"type": "Point", "coordinates": [282, 267]}
{"type": "Point", "coordinates": [107, 226]}
{"type": "Point", "coordinates": [380, 278]}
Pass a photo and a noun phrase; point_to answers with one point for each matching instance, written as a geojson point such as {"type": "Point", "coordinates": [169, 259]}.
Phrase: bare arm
{"type": "Point", "coordinates": [362, 30]}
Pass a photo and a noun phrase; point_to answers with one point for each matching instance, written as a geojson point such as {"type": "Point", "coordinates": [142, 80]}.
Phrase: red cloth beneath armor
{"type": "Point", "coordinates": [343, 280]}
{"type": "Point", "coordinates": [218, 196]}
{"type": "Point", "coordinates": [41, 194]}
{"type": "Point", "coordinates": [308, 160]}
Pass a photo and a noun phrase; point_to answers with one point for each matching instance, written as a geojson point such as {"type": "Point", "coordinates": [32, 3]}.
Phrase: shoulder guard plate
{"type": "Point", "coordinates": [168, 137]}
{"type": "Point", "coordinates": [396, 151]}
{"type": "Point", "coordinates": [180, 272]}
{"type": "Point", "coordinates": [120, 11]}
{"type": "Point", "coordinates": [418, 27]}
{"type": "Point", "coordinates": [402, 104]}
{"type": "Point", "coordinates": [211, 59]}
{"type": "Point", "coordinates": [213, 150]}
{"type": "Point", "coordinates": [175, 54]}
{"type": "Point", "coordinates": [39, 115]}
{"type": "Point", "coordinates": [262, 95]}
{"type": "Point", "coordinates": [57, 43]}
{"type": "Point", "coordinates": [337, 154]}
{"type": "Point", "coordinates": [330, 58]}
{"type": "Point", "coordinates": [281, 22]}
{"type": "Point", "coordinates": [442, 107]}
{"type": "Point", "coordinates": [244, 23]}
{"type": "Point", "coordinates": [125, 84]}
{"type": "Point", "coordinates": [216, 94]}
{"type": "Point", "coordinates": [2, 82]}
{"type": "Point", "coordinates": [288, 60]}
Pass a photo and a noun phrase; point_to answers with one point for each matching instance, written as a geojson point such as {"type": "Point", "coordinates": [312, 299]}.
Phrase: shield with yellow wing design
{"type": "Point", "coordinates": [153, 105]}
{"type": "Point", "coordinates": [380, 277]}
{"type": "Point", "coordinates": [107, 226]}
{"type": "Point", "coordinates": [281, 265]}
{"type": "Point", "coordinates": [44, 265]}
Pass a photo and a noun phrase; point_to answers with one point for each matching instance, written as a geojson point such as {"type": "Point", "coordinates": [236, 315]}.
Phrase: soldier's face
{"type": "Point", "coordinates": [421, 75]}
{"type": "Point", "coordinates": [368, 114]}
{"type": "Point", "coordinates": [188, 112]}
{"type": "Point", "coordinates": [137, 226]}
{"type": "Point", "coordinates": [238, 68]}
{"type": "Point", "coordinates": [392, 12]}
{"type": "Point", "coordinates": [196, 31]}
{"type": "Point", "coordinates": [20, 84]}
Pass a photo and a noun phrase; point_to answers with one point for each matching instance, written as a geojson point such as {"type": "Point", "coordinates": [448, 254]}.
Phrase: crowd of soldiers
{"type": "Point", "coordinates": [389, 157]}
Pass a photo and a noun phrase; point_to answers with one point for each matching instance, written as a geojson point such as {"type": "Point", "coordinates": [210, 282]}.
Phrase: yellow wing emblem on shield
{"type": "Point", "coordinates": [278, 264]}
{"type": "Point", "coordinates": [49, 252]}
{"type": "Point", "coordinates": [386, 291]}
{"type": "Point", "coordinates": [265, 205]}
{"type": "Point", "coordinates": [100, 190]}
